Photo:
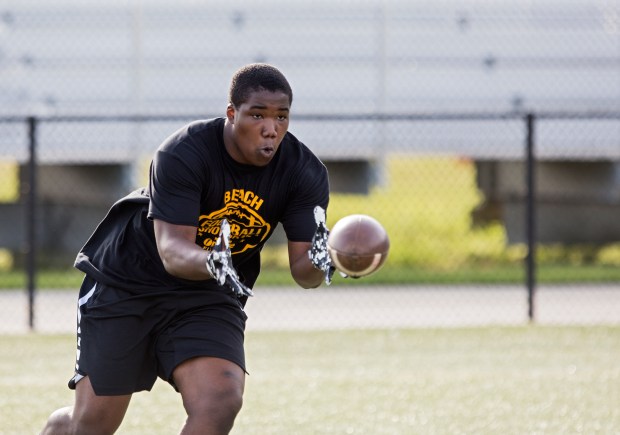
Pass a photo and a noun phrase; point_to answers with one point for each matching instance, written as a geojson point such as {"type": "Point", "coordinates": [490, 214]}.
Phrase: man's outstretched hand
{"type": "Point", "coordinates": [220, 266]}
{"type": "Point", "coordinates": [318, 253]}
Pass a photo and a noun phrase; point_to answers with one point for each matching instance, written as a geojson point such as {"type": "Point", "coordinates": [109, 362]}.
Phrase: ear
{"type": "Point", "coordinates": [230, 113]}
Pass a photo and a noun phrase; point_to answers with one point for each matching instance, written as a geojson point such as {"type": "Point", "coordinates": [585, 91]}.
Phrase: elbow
{"type": "Point", "coordinates": [304, 273]}
{"type": "Point", "coordinates": [168, 265]}
{"type": "Point", "coordinates": [169, 262]}
{"type": "Point", "coordinates": [306, 283]}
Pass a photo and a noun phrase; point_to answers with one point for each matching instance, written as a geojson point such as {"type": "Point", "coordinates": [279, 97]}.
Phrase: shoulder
{"type": "Point", "coordinates": [297, 151]}
{"type": "Point", "coordinates": [305, 168]}
{"type": "Point", "coordinates": [194, 133]}
{"type": "Point", "coordinates": [205, 126]}
{"type": "Point", "coordinates": [194, 149]}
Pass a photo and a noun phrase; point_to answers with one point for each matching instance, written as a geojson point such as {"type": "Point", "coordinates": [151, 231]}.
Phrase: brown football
{"type": "Point", "coordinates": [358, 245]}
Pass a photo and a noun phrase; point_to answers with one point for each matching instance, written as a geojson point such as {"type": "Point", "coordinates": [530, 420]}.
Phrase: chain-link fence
{"type": "Point", "coordinates": [492, 217]}
{"type": "Point", "coordinates": [419, 109]}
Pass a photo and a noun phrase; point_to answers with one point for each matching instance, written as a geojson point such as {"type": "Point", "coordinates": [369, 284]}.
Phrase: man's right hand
{"type": "Point", "coordinates": [220, 265]}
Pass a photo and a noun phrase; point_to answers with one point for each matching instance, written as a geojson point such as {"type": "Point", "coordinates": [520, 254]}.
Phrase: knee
{"type": "Point", "coordinates": [59, 422]}
{"type": "Point", "coordinates": [232, 397]}
{"type": "Point", "coordinates": [217, 405]}
{"type": "Point", "coordinates": [66, 421]}
{"type": "Point", "coordinates": [212, 392]}
{"type": "Point", "coordinates": [224, 400]}
{"type": "Point", "coordinates": [234, 401]}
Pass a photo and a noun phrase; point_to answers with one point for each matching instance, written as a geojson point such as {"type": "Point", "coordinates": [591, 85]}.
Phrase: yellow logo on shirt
{"type": "Point", "coordinates": [247, 227]}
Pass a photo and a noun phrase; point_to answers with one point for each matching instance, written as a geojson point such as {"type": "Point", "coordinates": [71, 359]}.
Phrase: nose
{"type": "Point", "coordinates": [270, 128]}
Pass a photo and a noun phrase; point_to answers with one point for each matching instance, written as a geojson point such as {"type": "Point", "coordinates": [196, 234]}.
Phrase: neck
{"type": "Point", "coordinates": [228, 136]}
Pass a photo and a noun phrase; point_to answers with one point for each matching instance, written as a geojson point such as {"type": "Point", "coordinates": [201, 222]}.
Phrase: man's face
{"type": "Point", "coordinates": [258, 127]}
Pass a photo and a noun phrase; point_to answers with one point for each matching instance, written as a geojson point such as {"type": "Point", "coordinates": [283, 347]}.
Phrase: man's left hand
{"type": "Point", "coordinates": [318, 253]}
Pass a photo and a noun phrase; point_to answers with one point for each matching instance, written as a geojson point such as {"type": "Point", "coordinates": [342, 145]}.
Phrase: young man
{"type": "Point", "coordinates": [169, 269]}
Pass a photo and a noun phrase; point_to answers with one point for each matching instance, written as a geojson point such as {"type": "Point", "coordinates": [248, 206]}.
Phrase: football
{"type": "Point", "coordinates": [358, 245]}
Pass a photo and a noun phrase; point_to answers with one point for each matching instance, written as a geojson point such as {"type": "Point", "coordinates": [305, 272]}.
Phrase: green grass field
{"type": "Point", "coordinates": [494, 380]}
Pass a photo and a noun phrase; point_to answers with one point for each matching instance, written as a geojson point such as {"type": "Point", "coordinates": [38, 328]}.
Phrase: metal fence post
{"type": "Point", "coordinates": [31, 215]}
{"type": "Point", "coordinates": [530, 216]}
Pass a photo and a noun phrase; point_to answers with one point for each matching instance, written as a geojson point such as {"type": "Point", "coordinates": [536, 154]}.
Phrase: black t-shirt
{"type": "Point", "coordinates": [194, 181]}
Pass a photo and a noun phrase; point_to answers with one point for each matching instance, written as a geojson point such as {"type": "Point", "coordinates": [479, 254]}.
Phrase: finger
{"type": "Point", "coordinates": [319, 215]}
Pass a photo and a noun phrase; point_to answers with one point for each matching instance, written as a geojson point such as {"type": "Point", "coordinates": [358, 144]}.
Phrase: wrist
{"type": "Point", "coordinates": [210, 266]}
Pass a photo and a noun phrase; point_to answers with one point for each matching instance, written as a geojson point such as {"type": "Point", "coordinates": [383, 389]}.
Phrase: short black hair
{"type": "Point", "coordinates": [254, 77]}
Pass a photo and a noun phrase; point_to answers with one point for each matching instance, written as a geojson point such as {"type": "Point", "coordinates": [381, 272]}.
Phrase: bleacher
{"type": "Point", "coordinates": [387, 57]}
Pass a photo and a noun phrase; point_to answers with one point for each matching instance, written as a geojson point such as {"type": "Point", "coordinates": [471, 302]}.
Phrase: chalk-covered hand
{"type": "Point", "coordinates": [318, 253]}
{"type": "Point", "coordinates": [220, 266]}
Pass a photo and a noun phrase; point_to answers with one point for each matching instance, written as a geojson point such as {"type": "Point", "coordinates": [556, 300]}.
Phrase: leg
{"type": "Point", "coordinates": [212, 392]}
{"type": "Point", "coordinates": [91, 414]}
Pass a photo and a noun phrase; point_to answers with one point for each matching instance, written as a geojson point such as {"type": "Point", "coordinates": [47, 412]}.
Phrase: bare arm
{"type": "Point", "coordinates": [302, 270]}
{"type": "Point", "coordinates": [184, 259]}
{"type": "Point", "coordinates": [178, 250]}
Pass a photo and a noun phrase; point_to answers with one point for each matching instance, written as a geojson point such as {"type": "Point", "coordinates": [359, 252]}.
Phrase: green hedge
{"type": "Point", "coordinates": [425, 204]}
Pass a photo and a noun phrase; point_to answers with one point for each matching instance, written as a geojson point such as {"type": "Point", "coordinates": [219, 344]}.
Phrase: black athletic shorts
{"type": "Point", "coordinates": [125, 340]}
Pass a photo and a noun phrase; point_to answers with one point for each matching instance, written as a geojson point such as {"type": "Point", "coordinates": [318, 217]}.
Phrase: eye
{"type": "Point", "coordinates": [257, 116]}
{"type": "Point", "coordinates": [282, 117]}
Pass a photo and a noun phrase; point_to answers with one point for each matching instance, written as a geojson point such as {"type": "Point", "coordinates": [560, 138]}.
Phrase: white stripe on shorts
{"type": "Point", "coordinates": [81, 301]}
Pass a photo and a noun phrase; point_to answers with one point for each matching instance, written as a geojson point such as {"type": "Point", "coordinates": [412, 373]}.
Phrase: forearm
{"type": "Point", "coordinates": [179, 253]}
{"type": "Point", "coordinates": [302, 270]}
{"type": "Point", "coordinates": [187, 262]}
{"type": "Point", "coordinates": [306, 275]}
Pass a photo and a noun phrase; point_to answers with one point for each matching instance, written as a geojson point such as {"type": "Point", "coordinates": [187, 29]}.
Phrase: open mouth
{"type": "Point", "coordinates": [267, 151]}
